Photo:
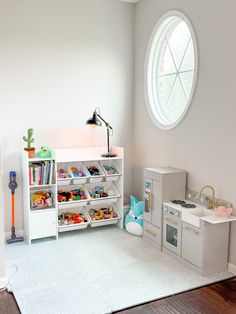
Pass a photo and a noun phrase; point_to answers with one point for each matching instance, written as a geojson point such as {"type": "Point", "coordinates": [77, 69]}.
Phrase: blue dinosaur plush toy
{"type": "Point", "coordinates": [134, 219]}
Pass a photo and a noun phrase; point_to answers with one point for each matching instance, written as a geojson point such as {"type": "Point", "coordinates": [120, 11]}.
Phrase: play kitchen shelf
{"type": "Point", "coordinates": [75, 175]}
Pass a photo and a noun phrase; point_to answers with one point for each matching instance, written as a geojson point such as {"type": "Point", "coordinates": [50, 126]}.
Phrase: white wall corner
{"type": "Point", "coordinates": [232, 268]}
{"type": "Point", "coordinates": [3, 282]}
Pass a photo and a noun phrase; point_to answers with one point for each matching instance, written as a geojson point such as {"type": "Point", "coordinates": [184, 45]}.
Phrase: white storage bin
{"type": "Point", "coordinates": [96, 178]}
{"type": "Point", "coordinates": [102, 222]}
{"type": "Point", "coordinates": [106, 186]}
{"type": "Point", "coordinates": [63, 181]}
{"type": "Point", "coordinates": [73, 203]}
{"type": "Point", "coordinates": [80, 167]}
{"type": "Point", "coordinates": [110, 177]}
{"type": "Point", "coordinates": [76, 226]}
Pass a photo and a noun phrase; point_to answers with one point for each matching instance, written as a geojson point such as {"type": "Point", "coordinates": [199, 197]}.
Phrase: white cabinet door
{"type": "Point", "coordinates": [148, 194]}
{"type": "Point", "coordinates": [156, 204]}
{"type": "Point", "coordinates": [192, 244]}
{"type": "Point", "coordinates": [42, 224]}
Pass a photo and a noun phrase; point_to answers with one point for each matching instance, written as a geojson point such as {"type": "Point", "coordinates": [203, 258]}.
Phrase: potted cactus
{"type": "Point", "coordinates": [29, 140]}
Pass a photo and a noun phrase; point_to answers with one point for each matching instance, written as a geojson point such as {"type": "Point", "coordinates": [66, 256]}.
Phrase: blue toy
{"type": "Point", "coordinates": [134, 218]}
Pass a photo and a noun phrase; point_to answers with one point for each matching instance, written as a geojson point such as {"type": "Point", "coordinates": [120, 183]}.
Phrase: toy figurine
{"type": "Point", "coordinates": [134, 219]}
{"type": "Point", "coordinates": [29, 140]}
{"type": "Point", "coordinates": [44, 152]}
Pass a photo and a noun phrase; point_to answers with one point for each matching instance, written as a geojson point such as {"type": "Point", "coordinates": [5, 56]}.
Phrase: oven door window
{"type": "Point", "coordinates": [172, 235]}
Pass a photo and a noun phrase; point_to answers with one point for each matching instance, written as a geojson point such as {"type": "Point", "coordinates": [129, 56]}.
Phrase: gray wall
{"type": "Point", "coordinates": [203, 144]}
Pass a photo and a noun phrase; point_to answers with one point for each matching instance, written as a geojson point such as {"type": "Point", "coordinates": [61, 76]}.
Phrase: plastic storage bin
{"type": "Point", "coordinates": [41, 199]}
{"type": "Point", "coordinates": [94, 178]}
{"type": "Point", "coordinates": [63, 181]}
{"type": "Point", "coordinates": [103, 221]}
{"type": "Point", "coordinates": [62, 203]}
{"type": "Point", "coordinates": [76, 179]}
{"type": "Point", "coordinates": [75, 226]}
{"type": "Point", "coordinates": [112, 172]}
{"type": "Point", "coordinates": [107, 187]}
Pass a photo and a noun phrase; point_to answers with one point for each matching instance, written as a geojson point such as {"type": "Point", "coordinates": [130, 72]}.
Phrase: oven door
{"type": "Point", "coordinates": [172, 233]}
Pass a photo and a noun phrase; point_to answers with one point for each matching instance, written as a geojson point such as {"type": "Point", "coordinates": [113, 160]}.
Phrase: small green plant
{"type": "Point", "coordinates": [29, 140]}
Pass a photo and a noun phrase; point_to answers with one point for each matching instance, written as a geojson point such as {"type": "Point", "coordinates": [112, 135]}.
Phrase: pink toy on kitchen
{"type": "Point", "coordinates": [222, 211]}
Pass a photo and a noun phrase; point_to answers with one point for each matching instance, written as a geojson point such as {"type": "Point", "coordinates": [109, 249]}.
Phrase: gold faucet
{"type": "Point", "coordinates": [210, 205]}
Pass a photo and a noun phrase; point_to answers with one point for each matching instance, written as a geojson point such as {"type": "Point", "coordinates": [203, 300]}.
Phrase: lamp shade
{"type": "Point", "coordinates": [94, 121]}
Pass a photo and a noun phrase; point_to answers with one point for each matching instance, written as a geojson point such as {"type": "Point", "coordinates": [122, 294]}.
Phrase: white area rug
{"type": "Point", "coordinates": [95, 272]}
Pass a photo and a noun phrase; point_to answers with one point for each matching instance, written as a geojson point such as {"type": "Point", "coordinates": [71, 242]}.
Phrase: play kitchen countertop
{"type": "Point", "coordinates": [194, 216]}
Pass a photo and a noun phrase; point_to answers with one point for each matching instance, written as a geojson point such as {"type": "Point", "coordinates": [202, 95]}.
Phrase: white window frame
{"type": "Point", "coordinates": [156, 36]}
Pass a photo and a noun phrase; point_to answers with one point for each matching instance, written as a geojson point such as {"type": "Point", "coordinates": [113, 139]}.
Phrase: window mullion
{"type": "Point", "coordinates": [184, 54]}
{"type": "Point", "coordinates": [167, 103]}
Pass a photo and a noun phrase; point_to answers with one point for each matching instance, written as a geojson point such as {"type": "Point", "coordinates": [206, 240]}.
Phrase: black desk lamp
{"type": "Point", "coordinates": [96, 121]}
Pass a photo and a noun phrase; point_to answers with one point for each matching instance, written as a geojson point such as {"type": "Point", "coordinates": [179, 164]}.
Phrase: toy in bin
{"type": "Point", "coordinates": [76, 172]}
{"type": "Point", "coordinates": [110, 170]}
{"type": "Point", "coordinates": [93, 170]}
{"type": "Point", "coordinates": [98, 191]}
{"type": "Point", "coordinates": [41, 200]}
{"type": "Point", "coordinates": [62, 174]}
{"type": "Point", "coordinates": [102, 213]}
{"type": "Point", "coordinates": [71, 218]}
{"type": "Point", "coordinates": [134, 219]}
{"type": "Point", "coordinates": [73, 195]}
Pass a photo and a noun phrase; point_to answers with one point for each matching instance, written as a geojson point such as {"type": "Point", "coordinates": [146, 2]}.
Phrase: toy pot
{"type": "Point", "coordinates": [31, 152]}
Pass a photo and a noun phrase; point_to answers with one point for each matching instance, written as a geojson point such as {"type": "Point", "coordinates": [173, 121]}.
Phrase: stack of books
{"type": "Point", "coordinates": [42, 173]}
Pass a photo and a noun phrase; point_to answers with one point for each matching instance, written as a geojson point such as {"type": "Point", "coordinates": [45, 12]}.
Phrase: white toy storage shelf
{"type": "Point", "coordinates": [77, 179]}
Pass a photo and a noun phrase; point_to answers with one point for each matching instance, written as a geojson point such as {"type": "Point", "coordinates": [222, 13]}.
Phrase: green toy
{"type": "Point", "coordinates": [29, 140]}
{"type": "Point", "coordinates": [44, 152]}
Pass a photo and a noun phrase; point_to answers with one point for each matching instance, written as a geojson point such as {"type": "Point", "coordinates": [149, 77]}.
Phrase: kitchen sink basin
{"type": "Point", "coordinates": [193, 215]}
{"type": "Point", "coordinates": [201, 212]}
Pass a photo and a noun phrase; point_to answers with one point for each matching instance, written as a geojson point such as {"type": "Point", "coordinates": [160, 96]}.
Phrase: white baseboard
{"type": "Point", "coordinates": [232, 268]}
{"type": "Point", "coordinates": [3, 282]}
{"type": "Point", "coordinates": [19, 233]}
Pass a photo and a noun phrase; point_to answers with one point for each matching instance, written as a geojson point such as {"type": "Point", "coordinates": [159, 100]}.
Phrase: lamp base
{"type": "Point", "coordinates": [107, 155]}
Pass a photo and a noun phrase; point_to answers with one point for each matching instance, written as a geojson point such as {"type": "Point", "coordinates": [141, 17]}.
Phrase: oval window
{"type": "Point", "coordinates": [171, 69]}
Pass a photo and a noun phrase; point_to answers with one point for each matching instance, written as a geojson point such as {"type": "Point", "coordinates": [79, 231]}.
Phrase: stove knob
{"type": "Point", "coordinates": [166, 209]}
{"type": "Point", "coordinates": [177, 214]}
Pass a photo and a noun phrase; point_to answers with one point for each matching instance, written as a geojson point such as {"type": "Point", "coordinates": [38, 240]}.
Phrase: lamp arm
{"type": "Point", "coordinates": [107, 124]}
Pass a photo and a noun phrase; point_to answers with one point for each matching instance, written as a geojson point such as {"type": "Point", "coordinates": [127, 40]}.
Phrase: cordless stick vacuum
{"type": "Point", "coordinates": [12, 186]}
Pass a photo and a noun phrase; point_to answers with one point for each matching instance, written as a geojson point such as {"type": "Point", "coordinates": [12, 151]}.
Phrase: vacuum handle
{"type": "Point", "coordinates": [12, 209]}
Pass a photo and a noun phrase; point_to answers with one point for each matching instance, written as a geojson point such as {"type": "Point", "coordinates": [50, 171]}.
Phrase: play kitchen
{"type": "Point", "coordinates": [195, 234]}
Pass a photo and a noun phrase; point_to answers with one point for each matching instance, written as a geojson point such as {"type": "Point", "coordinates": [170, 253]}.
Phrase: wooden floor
{"type": "Point", "coordinates": [214, 299]}
{"type": "Point", "coordinates": [8, 304]}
